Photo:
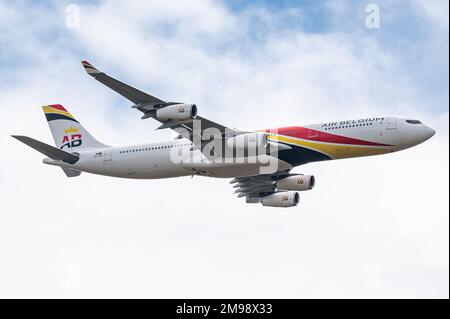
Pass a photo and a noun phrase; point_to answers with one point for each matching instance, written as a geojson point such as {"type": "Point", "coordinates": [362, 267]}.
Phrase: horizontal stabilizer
{"type": "Point", "coordinates": [48, 150]}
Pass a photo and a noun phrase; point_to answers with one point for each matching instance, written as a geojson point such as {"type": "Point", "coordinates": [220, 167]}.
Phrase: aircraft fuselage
{"type": "Point", "coordinates": [310, 143]}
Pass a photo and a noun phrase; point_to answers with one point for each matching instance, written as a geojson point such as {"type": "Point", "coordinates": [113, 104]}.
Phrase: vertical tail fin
{"type": "Point", "coordinates": [67, 132]}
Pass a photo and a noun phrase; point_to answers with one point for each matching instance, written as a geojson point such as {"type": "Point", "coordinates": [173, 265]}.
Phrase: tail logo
{"type": "Point", "coordinates": [72, 138]}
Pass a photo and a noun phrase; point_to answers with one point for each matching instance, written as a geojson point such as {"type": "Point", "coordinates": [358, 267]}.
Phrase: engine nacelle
{"type": "Point", "coordinates": [281, 199]}
{"type": "Point", "coordinates": [177, 112]}
{"type": "Point", "coordinates": [246, 141]}
{"type": "Point", "coordinates": [297, 182]}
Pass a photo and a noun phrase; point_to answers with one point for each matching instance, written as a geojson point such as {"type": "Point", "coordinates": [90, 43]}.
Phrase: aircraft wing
{"type": "Point", "coordinates": [134, 95]}
{"type": "Point", "coordinates": [147, 104]}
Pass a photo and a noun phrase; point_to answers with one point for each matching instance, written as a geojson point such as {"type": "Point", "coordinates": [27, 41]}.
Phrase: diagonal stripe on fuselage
{"type": "Point", "coordinates": [309, 134]}
{"type": "Point", "coordinates": [334, 150]}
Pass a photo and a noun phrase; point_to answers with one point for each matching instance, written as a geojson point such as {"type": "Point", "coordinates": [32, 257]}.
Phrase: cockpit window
{"type": "Point", "coordinates": [413, 122]}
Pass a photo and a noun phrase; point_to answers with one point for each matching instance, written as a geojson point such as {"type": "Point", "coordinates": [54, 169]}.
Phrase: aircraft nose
{"type": "Point", "coordinates": [429, 132]}
{"type": "Point", "coordinates": [413, 133]}
{"type": "Point", "coordinates": [425, 134]}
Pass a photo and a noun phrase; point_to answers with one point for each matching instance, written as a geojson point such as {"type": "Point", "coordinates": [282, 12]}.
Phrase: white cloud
{"type": "Point", "coordinates": [435, 11]}
{"type": "Point", "coordinates": [382, 216]}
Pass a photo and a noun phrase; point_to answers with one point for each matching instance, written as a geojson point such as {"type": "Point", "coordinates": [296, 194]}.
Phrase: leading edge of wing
{"type": "Point", "coordinates": [134, 95]}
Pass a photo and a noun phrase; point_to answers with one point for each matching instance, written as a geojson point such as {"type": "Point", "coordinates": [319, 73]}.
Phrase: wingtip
{"type": "Point", "coordinates": [17, 137]}
{"type": "Point", "coordinates": [90, 69]}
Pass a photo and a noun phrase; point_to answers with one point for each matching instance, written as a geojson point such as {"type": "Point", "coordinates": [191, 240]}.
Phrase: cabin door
{"type": "Point", "coordinates": [391, 123]}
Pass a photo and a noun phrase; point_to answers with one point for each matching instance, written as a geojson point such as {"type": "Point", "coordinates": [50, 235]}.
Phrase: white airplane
{"type": "Point", "coordinates": [259, 162]}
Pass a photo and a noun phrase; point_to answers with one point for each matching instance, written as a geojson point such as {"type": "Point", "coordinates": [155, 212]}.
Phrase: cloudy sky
{"type": "Point", "coordinates": [372, 227]}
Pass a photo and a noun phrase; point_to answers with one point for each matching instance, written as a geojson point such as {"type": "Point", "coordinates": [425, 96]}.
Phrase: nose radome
{"type": "Point", "coordinates": [433, 132]}
{"type": "Point", "coordinates": [426, 133]}
{"type": "Point", "coordinates": [430, 132]}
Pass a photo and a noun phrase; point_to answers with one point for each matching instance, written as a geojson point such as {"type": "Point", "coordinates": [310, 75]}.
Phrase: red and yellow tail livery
{"type": "Point", "coordinates": [57, 112]}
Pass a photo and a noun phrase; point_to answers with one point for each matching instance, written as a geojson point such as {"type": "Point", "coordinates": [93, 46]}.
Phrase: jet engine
{"type": "Point", "coordinates": [281, 199]}
{"type": "Point", "coordinates": [297, 182]}
{"type": "Point", "coordinates": [177, 112]}
{"type": "Point", "coordinates": [246, 141]}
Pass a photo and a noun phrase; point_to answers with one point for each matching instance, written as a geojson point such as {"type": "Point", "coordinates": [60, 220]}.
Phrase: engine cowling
{"type": "Point", "coordinates": [281, 199]}
{"type": "Point", "coordinates": [248, 140]}
{"type": "Point", "coordinates": [297, 182]}
{"type": "Point", "coordinates": [177, 112]}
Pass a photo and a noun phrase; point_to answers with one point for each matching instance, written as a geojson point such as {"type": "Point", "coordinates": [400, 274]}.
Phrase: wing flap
{"type": "Point", "coordinates": [254, 186]}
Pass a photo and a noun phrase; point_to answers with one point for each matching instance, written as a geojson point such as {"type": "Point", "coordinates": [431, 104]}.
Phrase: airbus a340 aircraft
{"type": "Point", "coordinates": [259, 161]}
